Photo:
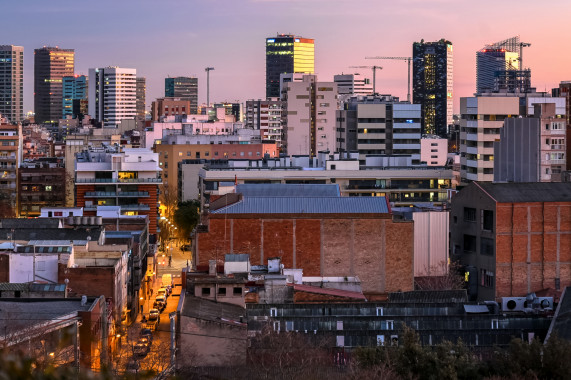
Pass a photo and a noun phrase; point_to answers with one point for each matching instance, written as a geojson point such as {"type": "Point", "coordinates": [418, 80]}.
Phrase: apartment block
{"type": "Point", "coordinates": [434, 151]}
{"type": "Point", "coordinates": [112, 95]}
{"type": "Point", "coordinates": [480, 124]}
{"type": "Point", "coordinates": [309, 116]}
{"type": "Point", "coordinates": [164, 107]}
{"type": "Point", "coordinates": [12, 83]}
{"type": "Point", "coordinates": [41, 184]}
{"type": "Point", "coordinates": [532, 149]}
{"type": "Point", "coordinates": [10, 158]}
{"type": "Point", "coordinates": [129, 178]}
{"type": "Point", "coordinates": [265, 116]}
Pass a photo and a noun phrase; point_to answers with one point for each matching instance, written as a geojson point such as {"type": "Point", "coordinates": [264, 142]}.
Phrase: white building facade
{"type": "Point", "coordinates": [112, 95]}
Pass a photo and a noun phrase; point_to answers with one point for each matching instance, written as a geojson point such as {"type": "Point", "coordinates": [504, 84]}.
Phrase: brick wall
{"type": "Point", "coordinates": [533, 247]}
{"type": "Point", "coordinates": [376, 249]}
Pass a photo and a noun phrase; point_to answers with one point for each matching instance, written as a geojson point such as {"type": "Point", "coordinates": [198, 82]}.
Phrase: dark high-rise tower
{"type": "Point", "coordinates": [185, 88]}
{"type": "Point", "coordinates": [432, 84]}
{"type": "Point", "coordinates": [287, 54]}
{"type": "Point", "coordinates": [51, 64]}
{"type": "Point", "coordinates": [12, 82]}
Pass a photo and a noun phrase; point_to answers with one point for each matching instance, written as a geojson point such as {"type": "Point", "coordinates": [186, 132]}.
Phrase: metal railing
{"type": "Point", "coordinates": [118, 180]}
{"type": "Point", "coordinates": [117, 194]}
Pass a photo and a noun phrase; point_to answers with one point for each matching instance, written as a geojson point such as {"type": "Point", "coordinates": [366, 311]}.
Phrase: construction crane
{"type": "Point", "coordinates": [208, 70]}
{"type": "Point", "coordinates": [374, 68]}
{"type": "Point", "coordinates": [408, 59]}
{"type": "Point", "coordinates": [521, 46]}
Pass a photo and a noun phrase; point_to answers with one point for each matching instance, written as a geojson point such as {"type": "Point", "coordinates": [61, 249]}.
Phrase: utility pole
{"type": "Point", "coordinates": [208, 70]}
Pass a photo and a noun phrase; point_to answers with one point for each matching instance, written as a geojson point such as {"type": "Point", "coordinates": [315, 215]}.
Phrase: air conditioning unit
{"type": "Point", "coordinates": [543, 303]}
{"type": "Point", "coordinates": [513, 303]}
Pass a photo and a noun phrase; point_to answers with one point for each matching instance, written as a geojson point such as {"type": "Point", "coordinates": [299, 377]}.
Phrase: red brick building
{"type": "Point", "coordinates": [324, 236]}
{"type": "Point", "coordinates": [512, 238]}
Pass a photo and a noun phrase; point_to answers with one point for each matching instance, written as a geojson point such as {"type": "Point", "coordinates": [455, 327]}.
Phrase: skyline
{"type": "Point", "coordinates": [230, 36]}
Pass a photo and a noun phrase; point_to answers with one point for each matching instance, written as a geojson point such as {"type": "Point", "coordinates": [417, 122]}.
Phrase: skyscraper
{"type": "Point", "coordinates": [51, 64]}
{"type": "Point", "coordinates": [184, 88]}
{"type": "Point", "coordinates": [141, 97]}
{"type": "Point", "coordinates": [112, 95]}
{"type": "Point", "coordinates": [74, 92]}
{"type": "Point", "coordinates": [498, 68]}
{"type": "Point", "coordinates": [12, 82]}
{"type": "Point", "coordinates": [287, 54]}
{"type": "Point", "coordinates": [432, 72]}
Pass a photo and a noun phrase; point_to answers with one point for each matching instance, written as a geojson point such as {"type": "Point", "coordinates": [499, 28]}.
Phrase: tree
{"type": "Point", "coordinates": [452, 279]}
{"type": "Point", "coordinates": [186, 217]}
{"type": "Point", "coordinates": [169, 199]}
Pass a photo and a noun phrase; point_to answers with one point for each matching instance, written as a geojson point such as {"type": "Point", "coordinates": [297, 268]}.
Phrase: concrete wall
{"type": "Point", "coordinates": [430, 243]}
{"type": "Point", "coordinates": [379, 251]}
{"type": "Point", "coordinates": [22, 267]}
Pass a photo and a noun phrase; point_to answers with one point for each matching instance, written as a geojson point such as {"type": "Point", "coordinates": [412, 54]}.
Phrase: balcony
{"type": "Point", "coordinates": [117, 180]}
{"type": "Point", "coordinates": [137, 207]}
{"type": "Point", "coordinates": [125, 194]}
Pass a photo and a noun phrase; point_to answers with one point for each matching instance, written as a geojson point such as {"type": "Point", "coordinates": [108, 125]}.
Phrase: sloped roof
{"type": "Point", "coordinates": [307, 205]}
{"type": "Point", "coordinates": [200, 308]}
{"type": "Point", "coordinates": [328, 291]}
{"type": "Point", "coordinates": [527, 192]}
{"type": "Point", "coordinates": [49, 234]}
{"type": "Point", "coordinates": [288, 190]}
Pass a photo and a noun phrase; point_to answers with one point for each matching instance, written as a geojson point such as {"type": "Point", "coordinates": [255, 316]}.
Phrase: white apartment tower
{"type": "Point", "coordinates": [480, 125]}
{"type": "Point", "coordinates": [353, 84]}
{"type": "Point", "coordinates": [309, 116]}
{"type": "Point", "coordinates": [112, 95]}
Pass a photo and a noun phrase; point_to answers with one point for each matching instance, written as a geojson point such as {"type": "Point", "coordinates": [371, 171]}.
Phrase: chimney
{"type": "Point", "coordinates": [212, 267]}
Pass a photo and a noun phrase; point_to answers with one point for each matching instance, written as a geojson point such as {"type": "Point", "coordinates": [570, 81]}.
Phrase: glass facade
{"type": "Point", "coordinates": [287, 54]}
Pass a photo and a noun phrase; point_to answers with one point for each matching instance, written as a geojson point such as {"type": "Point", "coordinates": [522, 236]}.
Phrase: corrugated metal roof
{"type": "Point", "coordinates": [307, 205]}
{"type": "Point", "coordinates": [288, 190]}
{"type": "Point", "coordinates": [528, 192]}
{"type": "Point", "coordinates": [430, 296]}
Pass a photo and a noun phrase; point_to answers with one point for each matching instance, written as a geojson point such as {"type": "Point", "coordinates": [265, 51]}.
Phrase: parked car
{"type": "Point", "coordinates": [146, 333]}
{"type": "Point", "coordinates": [154, 315]}
{"type": "Point", "coordinates": [140, 349]}
{"type": "Point", "coordinates": [163, 292]}
{"type": "Point", "coordinates": [145, 341]}
{"type": "Point", "coordinates": [161, 301]}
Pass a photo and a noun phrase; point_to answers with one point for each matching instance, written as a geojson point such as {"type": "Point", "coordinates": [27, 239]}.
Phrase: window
{"type": "Point", "coordinates": [273, 312]}
{"type": "Point", "coordinates": [379, 311]}
{"type": "Point", "coordinates": [487, 220]}
{"type": "Point", "coordinates": [289, 325]}
{"type": "Point", "coordinates": [486, 278]}
{"type": "Point", "coordinates": [469, 214]}
{"type": "Point", "coordinates": [380, 340]}
{"type": "Point", "coordinates": [495, 324]}
{"type": "Point", "coordinates": [221, 291]}
{"type": "Point", "coordinates": [206, 291]}
{"type": "Point", "coordinates": [469, 243]}
{"type": "Point", "coordinates": [486, 246]}
{"type": "Point", "coordinates": [340, 341]}
{"type": "Point", "coordinates": [387, 325]}
{"type": "Point", "coordinates": [339, 325]}
{"type": "Point", "coordinates": [48, 188]}
{"type": "Point", "coordinates": [276, 326]}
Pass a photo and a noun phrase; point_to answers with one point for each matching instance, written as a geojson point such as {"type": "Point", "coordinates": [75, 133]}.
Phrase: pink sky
{"type": "Point", "coordinates": [181, 37]}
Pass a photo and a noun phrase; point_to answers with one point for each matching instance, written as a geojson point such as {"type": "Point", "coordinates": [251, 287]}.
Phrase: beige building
{"type": "Point", "coordinates": [309, 116]}
{"type": "Point", "coordinates": [434, 151]}
{"type": "Point", "coordinates": [482, 119]}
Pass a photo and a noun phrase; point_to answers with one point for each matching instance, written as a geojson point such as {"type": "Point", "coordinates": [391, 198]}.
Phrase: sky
{"type": "Point", "coordinates": [163, 38]}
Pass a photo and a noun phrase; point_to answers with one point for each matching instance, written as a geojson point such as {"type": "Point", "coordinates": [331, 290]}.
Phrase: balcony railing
{"type": "Point", "coordinates": [138, 207]}
{"type": "Point", "coordinates": [118, 180]}
{"type": "Point", "coordinates": [136, 194]}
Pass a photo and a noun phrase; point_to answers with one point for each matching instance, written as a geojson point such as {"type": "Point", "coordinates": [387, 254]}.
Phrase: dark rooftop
{"type": "Point", "coordinates": [199, 308]}
{"type": "Point", "coordinates": [28, 286]}
{"type": "Point", "coordinates": [49, 234]}
{"type": "Point", "coordinates": [527, 192]}
{"type": "Point", "coordinates": [29, 223]}
{"type": "Point", "coordinates": [430, 296]}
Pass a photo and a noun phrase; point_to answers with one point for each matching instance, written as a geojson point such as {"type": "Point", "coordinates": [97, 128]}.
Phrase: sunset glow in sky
{"type": "Point", "coordinates": [182, 37]}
